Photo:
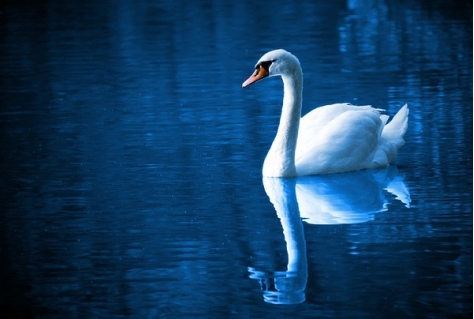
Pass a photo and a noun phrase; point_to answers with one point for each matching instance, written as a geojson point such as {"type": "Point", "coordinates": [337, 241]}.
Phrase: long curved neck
{"type": "Point", "coordinates": [280, 160]}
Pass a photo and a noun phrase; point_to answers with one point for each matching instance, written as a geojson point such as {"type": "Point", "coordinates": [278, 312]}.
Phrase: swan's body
{"type": "Point", "coordinates": [330, 139]}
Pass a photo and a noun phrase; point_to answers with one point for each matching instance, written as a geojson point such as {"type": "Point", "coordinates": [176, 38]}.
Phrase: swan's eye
{"type": "Point", "coordinates": [266, 64]}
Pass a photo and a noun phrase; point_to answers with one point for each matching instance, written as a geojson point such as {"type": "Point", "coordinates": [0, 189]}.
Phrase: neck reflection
{"type": "Point", "coordinates": [285, 287]}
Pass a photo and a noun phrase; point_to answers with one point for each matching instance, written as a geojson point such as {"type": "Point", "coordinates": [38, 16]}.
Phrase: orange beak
{"type": "Point", "coordinates": [259, 74]}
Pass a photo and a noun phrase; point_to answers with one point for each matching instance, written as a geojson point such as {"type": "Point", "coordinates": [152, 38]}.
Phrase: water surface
{"type": "Point", "coordinates": [131, 162]}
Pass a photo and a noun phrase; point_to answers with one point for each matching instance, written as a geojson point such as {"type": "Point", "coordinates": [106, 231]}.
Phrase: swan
{"type": "Point", "coordinates": [330, 139]}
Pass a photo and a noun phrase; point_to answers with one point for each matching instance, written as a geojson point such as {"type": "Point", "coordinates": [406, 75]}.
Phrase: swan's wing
{"type": "Point", "coordinates": [319, 117]}
{"type": "Point", "coordinates": [340, 137]}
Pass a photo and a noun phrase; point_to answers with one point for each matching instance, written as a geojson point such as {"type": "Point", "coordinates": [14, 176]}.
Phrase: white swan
{"type": "Point", "coordinates": [330, 139]}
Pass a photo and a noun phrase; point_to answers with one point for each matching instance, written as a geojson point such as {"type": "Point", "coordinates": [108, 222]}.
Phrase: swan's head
{"type": "Point", "coordinates": [276, 62]}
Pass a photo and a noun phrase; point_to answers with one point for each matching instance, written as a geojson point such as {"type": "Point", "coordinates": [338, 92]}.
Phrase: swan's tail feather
{"type": "Point", "coordinates": [384, 119]}
{"type": "Point", "coordinates": [397, 127]}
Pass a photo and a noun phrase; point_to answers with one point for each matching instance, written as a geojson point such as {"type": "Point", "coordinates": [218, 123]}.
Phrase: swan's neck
{"type": "Point", "coordinates": [280, 160]}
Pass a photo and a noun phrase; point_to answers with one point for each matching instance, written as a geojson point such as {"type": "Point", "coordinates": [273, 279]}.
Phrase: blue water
{"type": "Point", "coordinates": [131, 162]}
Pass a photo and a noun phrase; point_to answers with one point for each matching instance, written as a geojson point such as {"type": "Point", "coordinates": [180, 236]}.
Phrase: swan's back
{"type": "Point", "coordinates": [343, 137]}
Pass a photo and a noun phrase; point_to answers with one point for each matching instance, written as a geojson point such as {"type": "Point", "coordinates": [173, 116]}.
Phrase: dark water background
{"type": "Point", "coordinates": [130, 164]}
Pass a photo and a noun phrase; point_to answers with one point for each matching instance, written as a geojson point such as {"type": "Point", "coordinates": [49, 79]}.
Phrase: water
{"type": "Point", "coordinates": [131, 162]}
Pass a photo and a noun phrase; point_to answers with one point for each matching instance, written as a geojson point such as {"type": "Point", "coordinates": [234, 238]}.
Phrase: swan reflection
{"type": "Point", "coordinates": [346, 198]}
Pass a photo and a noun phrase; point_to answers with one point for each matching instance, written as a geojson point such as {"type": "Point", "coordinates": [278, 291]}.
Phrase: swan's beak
{"type": "Point", "coordinates": [259, 74]}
